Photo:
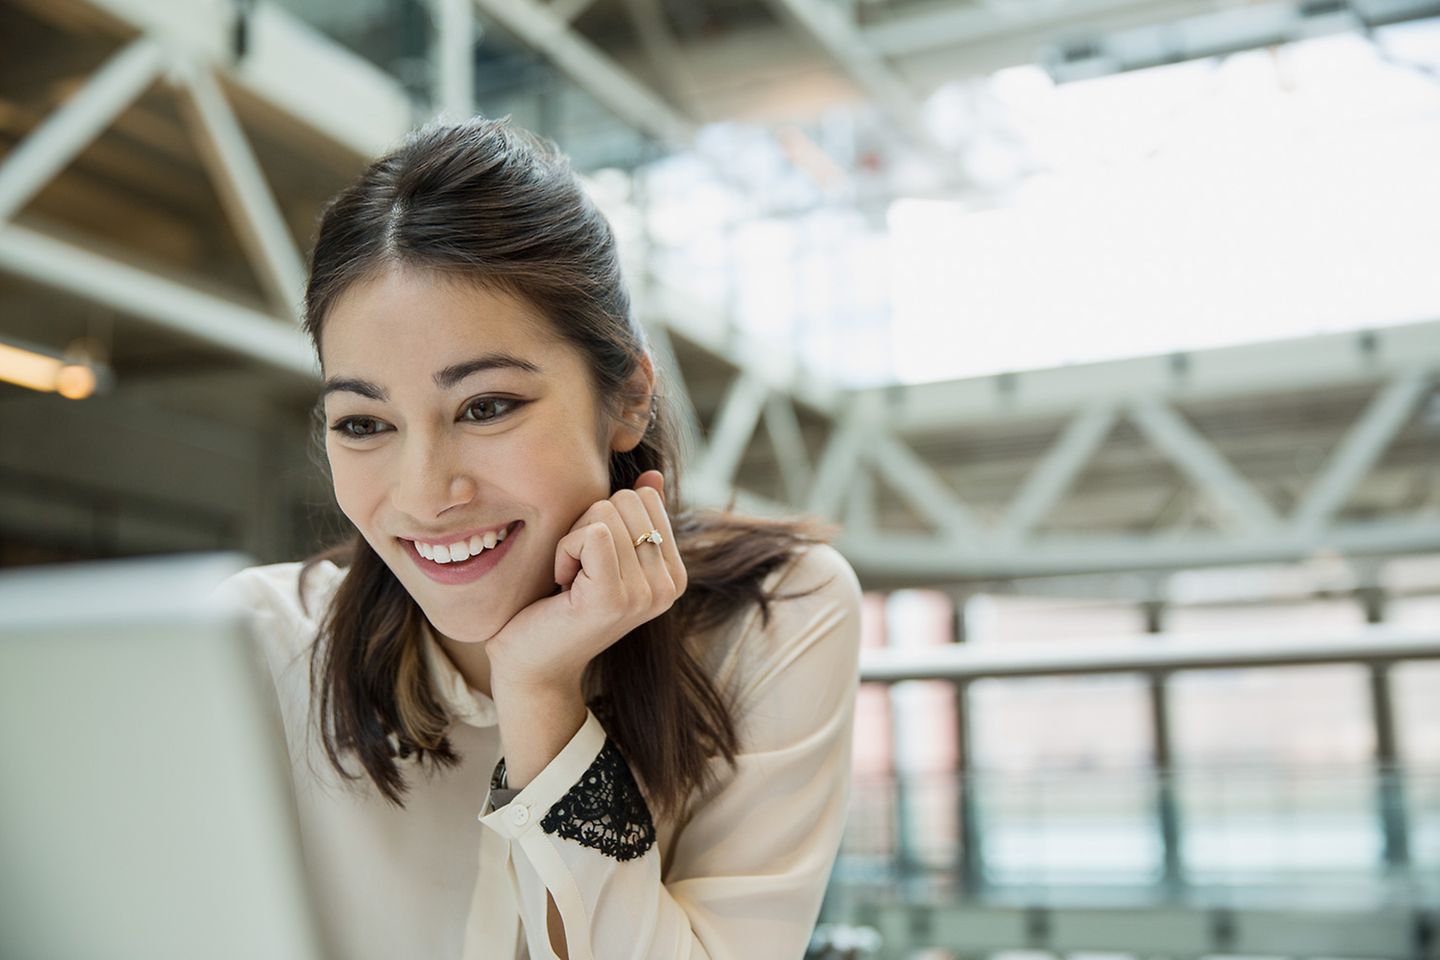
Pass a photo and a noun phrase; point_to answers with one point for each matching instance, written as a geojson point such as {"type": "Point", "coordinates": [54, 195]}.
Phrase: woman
{"type": "Point", "coordinates": [525, 629]}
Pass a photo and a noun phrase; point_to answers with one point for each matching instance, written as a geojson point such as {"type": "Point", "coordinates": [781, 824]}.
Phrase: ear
{"type": "Point", "coordinates": [635, 418]}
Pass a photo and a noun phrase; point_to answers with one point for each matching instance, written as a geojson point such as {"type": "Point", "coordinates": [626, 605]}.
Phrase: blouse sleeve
{"type": "Point", "coordinates": [750, 866]}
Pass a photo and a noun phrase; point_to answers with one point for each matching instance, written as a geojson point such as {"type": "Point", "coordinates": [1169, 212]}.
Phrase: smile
{"type": "Point", "coordinates": [473, 567]}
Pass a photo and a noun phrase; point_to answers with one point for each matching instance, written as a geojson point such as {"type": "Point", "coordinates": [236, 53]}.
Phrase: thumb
{"type": "Point", "coordinates": [651, 478]}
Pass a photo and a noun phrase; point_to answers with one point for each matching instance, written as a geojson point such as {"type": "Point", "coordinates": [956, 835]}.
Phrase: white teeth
{"type": "Point", "coordinates": [463, 550]}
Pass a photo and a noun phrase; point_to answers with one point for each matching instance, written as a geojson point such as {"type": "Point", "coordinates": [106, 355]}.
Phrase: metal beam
{"type": "Point", "coordinates": [859, 506]}
{"type": "Point", "coordinates": [788, 440]}
{"type": "Point", "coordinates": [160, 300]}
{"type": "Point", "coordinates": [1361, 448]}
{"type": "Point", "coordinates": [734, 429]}
{"type": "Point", "coordinates": [289, 65]}
{"type": "Point", "coordinates": [938, 25]}
{"type": "Point", "coordinates": [661, 49]}
{"type": "Point", "coordinates": [1203, 464]}
{"type": "Point", "coordinates": [1053, 475]}
{"type": "Point", "coordinates": [927, 494]}
{"type": "Point", "coordinates": [911, 559]}
{"type": "Point", "coordinates": [592, 69]}
{"type": "Point", "coordinates": [671, 380]}
{"type": "Point", "coordinates": [241, 184]}
{"type": "Point", "coordinates": [568, 10]}
{"type": "Point", "coordinates": [842, 454]}
{"type": "Point", "coordinates": [453, 57]}
{"type": "Point", "coordinates": [69, 130]}
{"type": "Point", "coordinates": [1298, 364]}
{"type": "Point", "coordinates": [828, 26]}
{"type": "Point", "coordinates": [1147, 653]}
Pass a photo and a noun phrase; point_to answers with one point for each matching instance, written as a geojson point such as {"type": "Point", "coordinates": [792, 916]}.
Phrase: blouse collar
{"type": "Point", "coordinates": [462, 701]}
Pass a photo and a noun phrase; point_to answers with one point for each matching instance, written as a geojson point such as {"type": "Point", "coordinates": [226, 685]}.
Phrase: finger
{"type": "Point", "coordinates": [568, 564]}
{"type": "Point", "coordinates": [651, 569]}
{"type": "Point", "coordinates": [633, 587]}
{"type": "Point", "coordinates": [670, 549]}
{"type": "Point", "coordinates": [590, 550]}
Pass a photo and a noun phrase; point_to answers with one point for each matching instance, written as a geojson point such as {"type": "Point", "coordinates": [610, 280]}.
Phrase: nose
{"type": "Point", "coordinates": [431, 478]}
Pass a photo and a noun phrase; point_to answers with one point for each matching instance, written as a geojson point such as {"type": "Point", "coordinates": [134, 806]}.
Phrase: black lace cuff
{"type": "Point", "coordinates": [604, 810]}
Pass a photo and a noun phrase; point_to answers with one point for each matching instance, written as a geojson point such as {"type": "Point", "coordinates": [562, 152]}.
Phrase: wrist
{"type": "Point", "coordinates": [536, 722]}
{"type": "Point", "coordinates": [514, 691]}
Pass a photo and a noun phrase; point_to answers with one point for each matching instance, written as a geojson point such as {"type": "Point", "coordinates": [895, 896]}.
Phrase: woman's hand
{"type": "Point", "coordinates": [609, 586]}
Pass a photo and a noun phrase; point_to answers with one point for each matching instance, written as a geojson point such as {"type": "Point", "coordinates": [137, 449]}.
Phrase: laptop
{"type": "Point", "coordinates": [146, 809]}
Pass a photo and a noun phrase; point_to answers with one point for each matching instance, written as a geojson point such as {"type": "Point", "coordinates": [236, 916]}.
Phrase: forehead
{"type": "Point", "coordinates": [389, 319]}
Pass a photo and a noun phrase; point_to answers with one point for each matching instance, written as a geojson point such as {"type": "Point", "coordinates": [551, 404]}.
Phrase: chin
{"type": "Point", "coordinates": [463, 628]}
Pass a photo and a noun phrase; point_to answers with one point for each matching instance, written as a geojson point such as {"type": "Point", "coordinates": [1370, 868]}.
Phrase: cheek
{"type": "Point", "coordinates": [353, 487]}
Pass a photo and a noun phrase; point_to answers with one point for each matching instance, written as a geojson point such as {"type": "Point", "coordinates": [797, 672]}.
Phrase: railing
{"type": "Point", "coordinates": [1249, 834]}
{"type": "Point", "coordinates": [1175, 855]}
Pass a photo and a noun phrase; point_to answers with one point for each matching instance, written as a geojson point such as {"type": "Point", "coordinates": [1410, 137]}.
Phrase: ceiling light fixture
{"type": "Point", "coordinates": [73, 377]}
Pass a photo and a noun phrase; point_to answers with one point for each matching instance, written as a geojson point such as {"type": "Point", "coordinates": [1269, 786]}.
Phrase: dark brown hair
{"type": "Point", "coordinates": [499, 207]}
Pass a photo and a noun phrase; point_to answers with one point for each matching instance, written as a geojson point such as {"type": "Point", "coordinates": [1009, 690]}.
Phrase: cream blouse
{"type": "Point", "coordinates": [461, 873]}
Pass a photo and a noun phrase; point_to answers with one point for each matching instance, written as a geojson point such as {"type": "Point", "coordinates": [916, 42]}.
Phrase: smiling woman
{"type": "Point", "coordinates": [527, 612]}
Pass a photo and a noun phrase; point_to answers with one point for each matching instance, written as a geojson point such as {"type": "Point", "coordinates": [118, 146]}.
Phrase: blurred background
{"type": "Point", "coordinates": [1109, 331]}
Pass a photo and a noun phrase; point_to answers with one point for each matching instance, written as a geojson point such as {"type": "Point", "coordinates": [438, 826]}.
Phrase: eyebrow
{"type": "Point", "coordinates": [444, 379]}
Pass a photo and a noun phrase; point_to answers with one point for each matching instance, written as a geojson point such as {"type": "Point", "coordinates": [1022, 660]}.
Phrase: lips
{"type": "Point", "coordinates": [439, 548]}
{"type": "Point", "coordinates": [468, 570]}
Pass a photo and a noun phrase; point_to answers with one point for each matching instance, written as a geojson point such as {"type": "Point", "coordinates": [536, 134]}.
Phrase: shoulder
{"type": "Point", "coordinates": [277, 585]}
{"type": "Point", "coordinates": [810, 642]}
{"type": "Point", "coordinates": [270, 595]}
{"type": "Point", "coordinates": [822, 568]}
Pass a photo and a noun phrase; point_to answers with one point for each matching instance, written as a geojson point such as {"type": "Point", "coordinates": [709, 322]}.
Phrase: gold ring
{"type": "Point", "coordinates": [652, 537]}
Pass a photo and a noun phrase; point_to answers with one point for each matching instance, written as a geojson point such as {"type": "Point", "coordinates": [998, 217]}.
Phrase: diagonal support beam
{"type": "Point", "coordinates": [634, 102]}
{"type": "Point", "coordinates": [242, 187]}
{"type": "Point", "coordinates": [1198, 459]}
{"type": "Point", "coordinates": [842, 455]}
{"type": "Point", "coordinates": [670, 379]}
{"type": "Point", "coordinates": [1047, 483]}
{"type": "Point", "coordinates": [859, 508]}
{"type": "Point", "coordinates": [1359, 451]}
{"type": "Point", "coordinates": [55, 143]}
{"type": "Point", "coordinates": [168, 303]}
{"type": "Point", "coordinates": [931, 497]}
{"type": "Point", "coordinates": [789, 442]}
{"type": "Point", "coordinates": [568, 10]}
{"type": "Point", "coordinates": [828, 25]}
{"type": "Point", "coordinates": [734, 427]}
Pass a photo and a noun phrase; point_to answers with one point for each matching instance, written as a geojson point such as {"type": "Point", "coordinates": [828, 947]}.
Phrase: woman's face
{"type": "Point", "coordinates": [421, 449]}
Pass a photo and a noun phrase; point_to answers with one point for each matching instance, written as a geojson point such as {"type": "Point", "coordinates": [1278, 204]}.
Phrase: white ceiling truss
{"type": "Point", "coordinates": [865, 446]}
{"type": "Point", "coordinates": [549, 32]}
{"type": "Point", "coordinates": [52, 260]}
{"type": "Point", "coordinates": [982, 478]}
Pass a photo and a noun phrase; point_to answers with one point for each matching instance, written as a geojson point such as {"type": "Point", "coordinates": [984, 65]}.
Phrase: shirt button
{"type": "Point", "coordinates": [519, 814]}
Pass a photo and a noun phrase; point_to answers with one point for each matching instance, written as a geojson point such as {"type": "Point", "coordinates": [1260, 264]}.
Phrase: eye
{"type": "Point", "coordinates": [342, 427]}
{"type": "Point", "coordinates": [363, 428]}
{"type": "Point", "coordinates": [506, 404]}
